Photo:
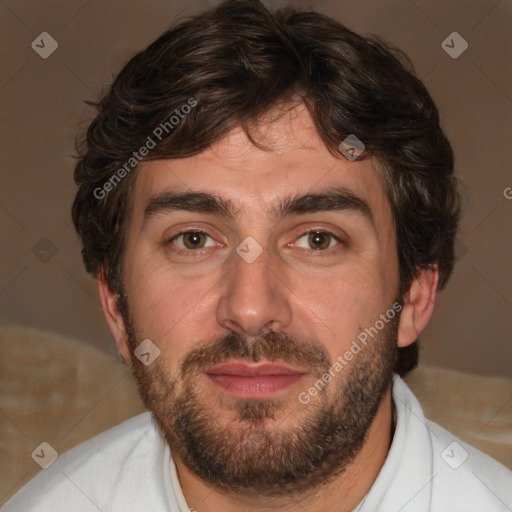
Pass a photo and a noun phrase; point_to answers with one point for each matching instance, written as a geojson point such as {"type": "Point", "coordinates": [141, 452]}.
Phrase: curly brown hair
{"type": "Point", "coordinates": [236, 62]}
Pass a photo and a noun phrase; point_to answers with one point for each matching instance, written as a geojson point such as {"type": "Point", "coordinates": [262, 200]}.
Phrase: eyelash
{"type": "Point", "coordinates": [199, 252]}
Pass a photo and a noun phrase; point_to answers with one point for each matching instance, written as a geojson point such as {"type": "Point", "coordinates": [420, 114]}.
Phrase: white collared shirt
{"type": "Point", "coordinates": [129, 468]}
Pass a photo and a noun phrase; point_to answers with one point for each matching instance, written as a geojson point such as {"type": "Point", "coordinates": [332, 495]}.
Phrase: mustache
{"type": "Point", "coordinates": [272, 346]}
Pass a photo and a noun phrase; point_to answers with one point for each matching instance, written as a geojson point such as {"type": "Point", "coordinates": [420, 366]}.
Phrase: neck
{"type": "Point", "coordinates": [342, 493]}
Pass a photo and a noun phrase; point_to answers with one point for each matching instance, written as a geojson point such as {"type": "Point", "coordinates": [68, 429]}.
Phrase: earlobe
{"type": "Point", "coordinates": [114, 318]}
{"type": "Point", "coordinates": [418, 306]}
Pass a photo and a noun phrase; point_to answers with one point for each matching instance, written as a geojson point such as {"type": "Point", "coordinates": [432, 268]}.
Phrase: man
{"type": "Point", "coordinates": [268, 203]}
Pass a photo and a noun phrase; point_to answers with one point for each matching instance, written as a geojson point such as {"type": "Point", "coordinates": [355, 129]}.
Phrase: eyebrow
{"type": "Point", "coordinates": [331, 199]}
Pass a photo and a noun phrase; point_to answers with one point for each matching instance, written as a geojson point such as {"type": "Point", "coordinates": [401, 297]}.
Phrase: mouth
{"type": "Point", "coordinates": [254, 381]}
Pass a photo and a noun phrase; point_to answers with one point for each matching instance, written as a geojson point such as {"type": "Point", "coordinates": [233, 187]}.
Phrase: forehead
{"type": "Point", "coordinates": [253, 179]}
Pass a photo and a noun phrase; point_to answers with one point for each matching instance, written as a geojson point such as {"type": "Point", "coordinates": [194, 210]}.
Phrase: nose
{"type": "Point", "coordinates": [254, 299]}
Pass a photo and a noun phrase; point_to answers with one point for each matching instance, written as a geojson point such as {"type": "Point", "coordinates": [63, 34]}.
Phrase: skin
{"type": "Point", "coordinates": [182, 302]}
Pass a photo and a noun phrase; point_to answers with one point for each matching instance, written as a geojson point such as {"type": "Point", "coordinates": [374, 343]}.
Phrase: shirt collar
{"type": "Point", "coordinates": [404, 483]}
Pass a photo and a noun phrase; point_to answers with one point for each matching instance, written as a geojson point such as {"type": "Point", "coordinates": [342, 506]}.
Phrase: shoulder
{"type": "Point", "coordinates": [134, 437]}
{"type": "Point", "coordinates": [466, 478]}
{"type": "Point", "coordinates": [457, 476]}
{"type": "Point", "coordinates": [99, 473]}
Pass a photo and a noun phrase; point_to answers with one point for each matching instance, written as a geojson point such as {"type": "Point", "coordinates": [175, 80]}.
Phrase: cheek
{"type": "Point", "coordinates": [171, 310]}
{"type": "Point", "coordinates": [348, 293]}
{"type": "Point", "coordinates": [341, 307]}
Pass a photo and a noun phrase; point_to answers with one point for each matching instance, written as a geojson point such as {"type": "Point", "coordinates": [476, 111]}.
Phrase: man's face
{"type": "Point", "coordinates": [249, 309]}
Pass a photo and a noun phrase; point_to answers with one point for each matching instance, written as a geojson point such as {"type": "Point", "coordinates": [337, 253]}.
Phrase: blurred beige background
{"type": "Point", "coordinates": [43, 284]}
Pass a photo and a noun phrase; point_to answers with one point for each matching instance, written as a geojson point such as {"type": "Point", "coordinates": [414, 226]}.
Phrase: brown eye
{"type": "Point", "coordinates": [188, 241]}
{"type": "Point", "coordinates": [319, 240]}
{"type": "Point", "coordinates": [194, 239]}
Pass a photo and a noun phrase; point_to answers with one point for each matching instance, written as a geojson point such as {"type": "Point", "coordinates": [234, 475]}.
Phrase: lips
{"type": "Point", "coordinates": [253, 381]}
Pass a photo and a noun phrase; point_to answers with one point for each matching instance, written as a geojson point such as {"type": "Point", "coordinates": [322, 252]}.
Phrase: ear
{"type": "Point", "coordinates": [113, 317]}
{"type": "Point", "coordinates": [418, 306]}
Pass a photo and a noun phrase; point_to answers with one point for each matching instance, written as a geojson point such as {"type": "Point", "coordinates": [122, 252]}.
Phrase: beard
{"type": "Point", "coordinates": [251, 455]}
